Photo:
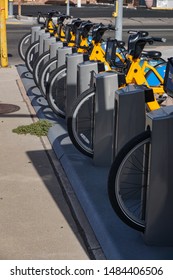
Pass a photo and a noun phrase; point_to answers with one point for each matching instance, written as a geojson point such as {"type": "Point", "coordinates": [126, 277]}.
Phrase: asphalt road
{"type": "Point", "coordinates": [93, 11]}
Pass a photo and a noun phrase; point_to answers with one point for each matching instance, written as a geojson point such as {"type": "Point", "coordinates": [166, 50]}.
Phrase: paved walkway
{"type": "Point", "coordinates": [36, 219]}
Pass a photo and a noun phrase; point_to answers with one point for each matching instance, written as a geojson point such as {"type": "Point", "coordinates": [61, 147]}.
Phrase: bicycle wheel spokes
{"type": "Point", "coordinates": [128, 181]}
{"type": "Point", "coordinates": [45, 74]}
{"type": "Point", "coordinates": [38, 64]}
{"type": "Point", "coordinates": [31, 55]}
{"type": "Point", "coordinates": [132, 182]}
{"type": "Point", "coordinates": [23, 45]}
{"type": "Point", "coordinates": [57, 92]}
{"type": "Point", "coordinates": [81, 124]}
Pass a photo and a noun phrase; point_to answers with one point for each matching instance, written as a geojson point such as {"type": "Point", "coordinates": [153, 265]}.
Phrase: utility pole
{"type": "Point", "coordinates": [68, 7]}
{"type": "Point", "coordinates": [6, 9]}
{"type": "Point", "coordinates": [119, 19]}
{"type": "Point", "coordinates": [3, 35]}
{"type": "Point", "coordinates": [10, 7]}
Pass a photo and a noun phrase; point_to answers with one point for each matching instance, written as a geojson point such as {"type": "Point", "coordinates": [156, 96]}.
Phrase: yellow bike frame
{"type": "Point", "coordinates": [136, 74]}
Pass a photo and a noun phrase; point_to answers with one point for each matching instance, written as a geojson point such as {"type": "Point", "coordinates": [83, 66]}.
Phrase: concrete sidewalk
{"type": "Point", "coordinates": [38, 220]}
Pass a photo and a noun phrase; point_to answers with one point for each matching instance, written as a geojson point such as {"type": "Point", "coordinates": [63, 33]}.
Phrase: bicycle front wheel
{"type": "Point", "coordinates": [44, 74]}
{"type": "Point", "coordinates": [80, 123]}
{"type": "Point", "coordinates": [38, 64]}
{"type": "Point", "coordinates": [128, 181]}
{"type": "Point", "coordinates": [31, 55]}
{"type": "Point", "coordinates": [56, 91]}
{"type": "Point", "coordinates": [24, 44]}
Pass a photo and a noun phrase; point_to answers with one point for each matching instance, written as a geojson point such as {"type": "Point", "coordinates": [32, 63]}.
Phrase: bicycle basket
{"type": "Point", "coordinates": [168, 80]}
{"type": "Point", "coordinates": [110, 50]}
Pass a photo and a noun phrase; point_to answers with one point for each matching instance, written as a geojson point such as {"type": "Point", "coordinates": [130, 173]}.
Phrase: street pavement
{"type": "Point", "coordinates": [41, 188]}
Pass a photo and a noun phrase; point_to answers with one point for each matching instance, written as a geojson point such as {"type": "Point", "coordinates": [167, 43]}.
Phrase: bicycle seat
{"type": "Point", "coordinates": [152, 54]}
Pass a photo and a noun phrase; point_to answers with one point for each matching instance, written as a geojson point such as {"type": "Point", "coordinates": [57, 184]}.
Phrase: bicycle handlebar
{"type": "Point", "coordinates": [151, 40]}
{"type": "Point", "coordinates": [156, 39]}
{"type": "Point", "coordinates": [140, 44]}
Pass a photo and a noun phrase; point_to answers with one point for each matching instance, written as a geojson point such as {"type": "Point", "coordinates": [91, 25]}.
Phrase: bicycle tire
{"type": "Point", "coordinates": [127, 192]}
{"type": "Point", "coordinates": [23, 45]}
{"type": "Point", "coordinates": [38, 64]}
{"type": "Point", "coordinates": [44, 74]}
{"type": "Point", "coordinates": [30, 56]}
{"type": "Point", "coordinates": [80, 122]}
{"type": "Point", "coordinates": [56, 90]}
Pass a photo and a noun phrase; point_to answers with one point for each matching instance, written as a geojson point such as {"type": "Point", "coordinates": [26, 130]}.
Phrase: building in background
{"type": "Point", "coordinates": [63, 2]}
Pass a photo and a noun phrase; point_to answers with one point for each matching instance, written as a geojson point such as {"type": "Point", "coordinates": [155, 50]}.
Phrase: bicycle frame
{"type": "Point", "coordinates": [136, 74]}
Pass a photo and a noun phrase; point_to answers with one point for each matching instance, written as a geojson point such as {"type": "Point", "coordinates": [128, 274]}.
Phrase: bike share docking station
{"type": "Point", "coordinates": [71, 82]}
{"type": "Point", "coordinates": [159, 205]}
{"type": "Point", "coordinates": [34, 33]}
{"type": "Point", "coordinates": [62, 54]}
{"type": "Point", "coordinates": [47, 42]}
{"type": "Point", "coordinates": [37, 34]}
{"type": "Point", "coordinates": [46, 47]}
{"type": "Point", "coordinates": [106, 84]}
{"type": "Point", "coordinates": [119, 116]}
{"type": "Point", "coordinates": [79, 70]}
{"type": "Point", "coordinates": [53, 52]}
{"type": "Point", "coordinates": [84, 74]}
{"type": "Point", "coordinates": [44, 38]}
{"type": "Point", "coordinates": [129, 115]}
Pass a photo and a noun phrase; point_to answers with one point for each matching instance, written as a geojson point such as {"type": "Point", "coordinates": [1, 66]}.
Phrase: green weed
{"type": "Point", "coordinates": [39, 128]}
